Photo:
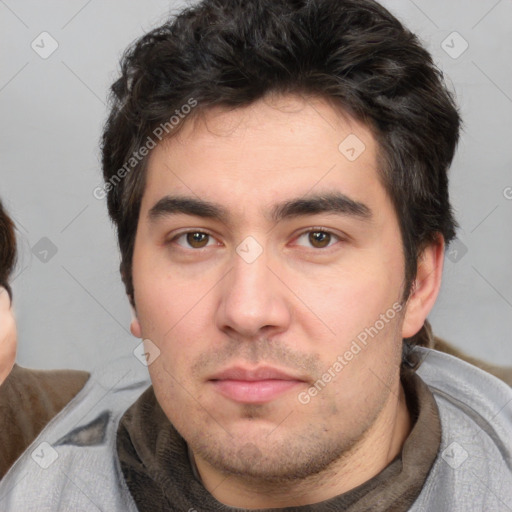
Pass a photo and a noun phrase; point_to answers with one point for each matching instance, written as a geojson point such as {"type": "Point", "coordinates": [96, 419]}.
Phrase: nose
{"type": "Point", "coordinates": [254, 301]}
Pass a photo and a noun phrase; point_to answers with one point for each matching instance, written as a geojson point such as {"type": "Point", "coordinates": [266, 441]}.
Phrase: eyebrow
{"type": "Point", "coordinates": [188, 206]}
{"type": "Point", "coordinates": [335, 203]}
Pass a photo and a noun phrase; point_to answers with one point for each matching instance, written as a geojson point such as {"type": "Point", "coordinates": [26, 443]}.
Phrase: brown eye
{"type": "Point", "coordinates": [197, 240]}
{"type": "Point", "coordinates": [319, 239]}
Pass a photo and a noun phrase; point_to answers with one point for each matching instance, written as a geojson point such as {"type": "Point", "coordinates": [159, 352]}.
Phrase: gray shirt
{"type": "Point", "coordinates": [73, 464]}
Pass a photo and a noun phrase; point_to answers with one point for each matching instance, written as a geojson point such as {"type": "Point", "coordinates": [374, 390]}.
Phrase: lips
{"type": "Point", "coordinates": [254, 386]}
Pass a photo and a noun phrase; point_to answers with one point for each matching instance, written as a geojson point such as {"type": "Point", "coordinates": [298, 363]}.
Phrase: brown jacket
{"type": "Point", "coordinates": [29, 399]}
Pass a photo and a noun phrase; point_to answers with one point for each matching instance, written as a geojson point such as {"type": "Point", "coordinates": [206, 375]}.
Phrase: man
{"type": "Point", "coordinates": [277, 173]}
{"type": "Point", "coordinates": [29, 399]}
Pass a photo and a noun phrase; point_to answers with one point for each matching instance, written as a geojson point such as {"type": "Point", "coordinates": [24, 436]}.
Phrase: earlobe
{"type": "Point", "coordinates": [135, 327]}
{"type": "Point", "coordinates": [425, 288]}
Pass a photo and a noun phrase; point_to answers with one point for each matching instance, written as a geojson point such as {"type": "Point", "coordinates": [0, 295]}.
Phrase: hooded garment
{"type": "Point", "coordinates": [104, 451]}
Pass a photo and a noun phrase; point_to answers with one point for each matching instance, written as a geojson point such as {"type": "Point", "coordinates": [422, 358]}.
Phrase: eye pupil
{"type": "Point", "coordinates": [197, 239]}
{"type": "Point", "coordinates": [319, 238]}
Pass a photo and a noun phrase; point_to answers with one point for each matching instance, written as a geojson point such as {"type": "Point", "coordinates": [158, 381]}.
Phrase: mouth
{"type": "Point", "coordinates": [254, 386]}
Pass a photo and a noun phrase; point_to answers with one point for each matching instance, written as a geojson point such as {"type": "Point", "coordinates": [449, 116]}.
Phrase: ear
{"type": "Point", "coordinates": [425, 287]}
{"type": "Point", "coordinates": [135, 327]}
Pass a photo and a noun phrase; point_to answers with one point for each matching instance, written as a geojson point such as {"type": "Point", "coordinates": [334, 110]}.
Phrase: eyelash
{"type": "Point", "coordinates": [184, 233]}
{"type": "Point", "coordinates": [319, 229]}
{"type": "Point", "coordinates": [337, 237]}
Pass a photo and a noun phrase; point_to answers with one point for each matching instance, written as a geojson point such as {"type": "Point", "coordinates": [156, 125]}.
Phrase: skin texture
{"type": "Point", "coordinates": [7, 335]}
{"type": "Point", "coordinates": [296, 307]}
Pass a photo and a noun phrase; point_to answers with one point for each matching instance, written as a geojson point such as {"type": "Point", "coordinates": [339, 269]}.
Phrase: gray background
{"type": "Point", "coordinates": [69, 301]}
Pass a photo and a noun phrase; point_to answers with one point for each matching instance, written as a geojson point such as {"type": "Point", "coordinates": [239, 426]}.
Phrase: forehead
{"type": "Point", "coordinates": [285, 145]}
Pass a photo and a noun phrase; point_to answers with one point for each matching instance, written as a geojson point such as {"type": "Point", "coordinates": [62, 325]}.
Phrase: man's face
{"type": "Point", "coordinates": [252, 289]}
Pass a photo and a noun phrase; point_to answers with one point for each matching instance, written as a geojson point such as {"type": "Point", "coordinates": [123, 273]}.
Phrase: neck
{"type": "Point", "coordinates": [377, 448]}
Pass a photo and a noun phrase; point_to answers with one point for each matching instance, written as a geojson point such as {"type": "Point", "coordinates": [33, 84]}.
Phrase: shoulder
{"type": "Point", "coordinates": [463, 387]}
{"type": "Point", "coordinates": [72, 464]}
{"type": "Point", "coordinates": [473, 470]}
{"type": "Point", "coordinates": [29, 399]}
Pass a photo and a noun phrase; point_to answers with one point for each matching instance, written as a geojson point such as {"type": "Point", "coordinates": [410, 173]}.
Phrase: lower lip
{"type": "Point", "coordinates": [253, 392]}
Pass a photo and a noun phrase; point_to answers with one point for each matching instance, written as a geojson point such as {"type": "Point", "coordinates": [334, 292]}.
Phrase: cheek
{"type": "Point", "coordinates": [348, 301]}
{"type": "Point", "coordinates": [7, 344]}
{"type": "Point", "coordinates": [174, 316]}
{"type": "Point", "coordinates": [161, 298]}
